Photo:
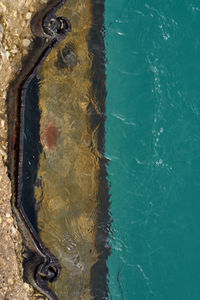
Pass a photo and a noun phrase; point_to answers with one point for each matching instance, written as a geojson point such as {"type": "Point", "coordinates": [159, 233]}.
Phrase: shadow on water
{"type": "Point", "coordinates": [97, 47]}
{"type": "Point", "coordinates": [32, 150]}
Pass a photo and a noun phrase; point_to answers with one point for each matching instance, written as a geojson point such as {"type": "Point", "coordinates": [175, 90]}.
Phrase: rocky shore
{"type": "Point", "coordinates": [15, 40]}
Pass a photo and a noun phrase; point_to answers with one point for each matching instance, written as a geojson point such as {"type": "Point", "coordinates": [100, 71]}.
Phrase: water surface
{"type": "Point", "coordinates": [153, 142]}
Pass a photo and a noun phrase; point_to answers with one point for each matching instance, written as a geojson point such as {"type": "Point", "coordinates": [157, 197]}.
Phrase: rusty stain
{"type": "Point", "coordinates": [50, 135]}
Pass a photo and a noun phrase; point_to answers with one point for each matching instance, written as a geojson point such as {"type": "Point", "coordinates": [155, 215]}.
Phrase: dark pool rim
{"type": "Point", "coordinates": [99, 272]}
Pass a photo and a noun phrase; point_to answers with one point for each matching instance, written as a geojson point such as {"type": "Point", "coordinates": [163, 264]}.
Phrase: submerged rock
{"type": "Point", "coordinates": [67, 58]}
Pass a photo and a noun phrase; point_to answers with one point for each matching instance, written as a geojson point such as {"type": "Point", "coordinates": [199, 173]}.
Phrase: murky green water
{"type": "Point", "coordinates": [63, 184]}
{"type": "Point", "coordinates": [153, 143]}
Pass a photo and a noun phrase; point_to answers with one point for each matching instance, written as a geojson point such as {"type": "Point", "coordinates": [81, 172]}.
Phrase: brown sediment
{"type": "Point", "coordinates": [50, 135]}
{"type": "Point", "coordinates": [67, 215]}
{"type": "Point", "coordinates": [74, 173]}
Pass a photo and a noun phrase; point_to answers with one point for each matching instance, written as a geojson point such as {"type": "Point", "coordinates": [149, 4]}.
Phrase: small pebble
{"type": "Point", "coordinates": [15, 14]}
{"type": "Point", "coordinates": [31, 9]}
{"type": "Point", "coordinates": [10, 281]}
{"type": "Point", "coordinates": [26, 286]}
{"type": "Point", "coordinates": [9, 220]}
{"type": "Point", "coordinates": [28, 15]}
{"type": "Point", "coordinates": [14, 50]}
{"type": "Point", "coordinates": [8, 215]}
{"type": "Point", "coordinates": [13, 230]}
{"type": "Point", "coordinates": [0, 220]}
{"type": "Point", "coordinates": [26, 42]}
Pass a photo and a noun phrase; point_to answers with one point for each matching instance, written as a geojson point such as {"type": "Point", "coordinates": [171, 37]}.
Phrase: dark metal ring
{"type": "Point", "coordinates": [56, 27]}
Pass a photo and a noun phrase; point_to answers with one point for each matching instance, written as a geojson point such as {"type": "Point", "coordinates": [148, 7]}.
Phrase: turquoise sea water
{"type": "Point", "coordinates": [153, 143]}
